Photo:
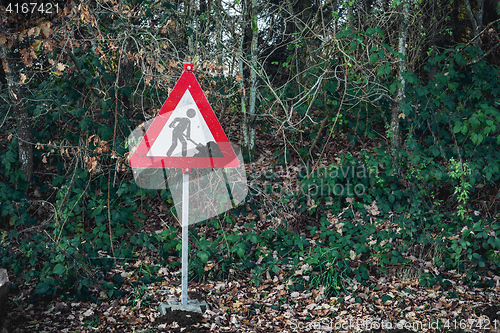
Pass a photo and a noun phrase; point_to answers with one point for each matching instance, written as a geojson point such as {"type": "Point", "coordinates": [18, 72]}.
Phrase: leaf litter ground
{"type": "Point", "coordinates": [238, 306]}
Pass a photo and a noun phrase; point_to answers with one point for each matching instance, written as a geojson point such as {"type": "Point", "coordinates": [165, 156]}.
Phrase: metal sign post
{"type": "Point", "coordinates": [185, 234]}
{"type": "Point", "coordinates": [186, 135]}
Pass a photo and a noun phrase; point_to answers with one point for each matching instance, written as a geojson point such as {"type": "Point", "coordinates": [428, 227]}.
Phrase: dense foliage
{"type": "Point", "coordinates": [369, 208]}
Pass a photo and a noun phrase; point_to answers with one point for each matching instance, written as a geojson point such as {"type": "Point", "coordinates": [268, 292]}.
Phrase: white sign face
{"type": "Point", "coordinates": [185, 133]}
{"type": "Point", "coordinates": [185, 147]}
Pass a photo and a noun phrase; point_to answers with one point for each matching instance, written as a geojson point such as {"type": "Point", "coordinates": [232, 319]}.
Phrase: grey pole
{"type": "Point", "coordinates": [185, 235]}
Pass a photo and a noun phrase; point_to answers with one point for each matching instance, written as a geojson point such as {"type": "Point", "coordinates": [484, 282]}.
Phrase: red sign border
{"type": "Point", "coordinates": [187, 81]}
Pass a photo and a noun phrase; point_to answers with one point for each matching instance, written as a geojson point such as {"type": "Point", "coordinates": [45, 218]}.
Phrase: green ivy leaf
{"type": "Point", "coordinates": [393, 88]}
{"type": "Point", "coordinates": [253, 238]}
{"type": "Point", "coordinates": [254, 25]}
{"type": "Point", "coordinates": [59, 269]}
{"type": "Point", "coordinates": [203, 256]}
{"type": "Point", "coordinates": [380, 72]}
{"type": "Point", "coordinates": [386, 298]}
{"type": "Point", "coordinates": [353, 45]}
{"type": "Point", "coordinates": [42, 288]}
{"type": "Point", "coordinates": [373, 58]}
{"type": "Point", "coordinates": [497, 243]}
{"type": "Point", "coordinates": [473, 137]}
{"type": "Point", "coordinates": [460, 59]}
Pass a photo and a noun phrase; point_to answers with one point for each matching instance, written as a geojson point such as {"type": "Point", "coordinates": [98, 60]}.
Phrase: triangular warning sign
{"type": "Point", "coordinates": [185, 133]}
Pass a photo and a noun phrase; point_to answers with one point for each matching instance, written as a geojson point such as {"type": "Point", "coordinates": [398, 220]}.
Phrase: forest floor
{"type": "Point", "coordinates": [239, 306]}
{"type": "Point", "coordinates": [389, 302]}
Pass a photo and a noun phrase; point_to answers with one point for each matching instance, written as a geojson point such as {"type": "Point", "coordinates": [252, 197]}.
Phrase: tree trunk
{"type": "Point", "coordinates": [242, 80]}
{"type": "Point", "coordinates": [16, 93]}
{"type": "Point", "coordinates": [191, 41]}
{"type": "Point", "coordinates": [248, 46]}
{"type": "Point", "coordinates": [476, 20]}
{"type": "Point", "coordinates": [253, 86]}
{"type": "Point", "coordinates": [402, 41]}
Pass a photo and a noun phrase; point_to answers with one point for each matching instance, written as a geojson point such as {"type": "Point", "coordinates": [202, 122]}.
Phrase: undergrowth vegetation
{"type": "Point", "coordinates": [424, 211]}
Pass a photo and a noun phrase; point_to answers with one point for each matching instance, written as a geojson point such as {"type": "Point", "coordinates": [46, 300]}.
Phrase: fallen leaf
{"type": "Point", "coordinates": [46, 30]}
{"type": "Point", "coordinates": [5, 66]}
{"type": "Point", "coordinates": [352, 254]}
{"type": "Point", "coordinates": [88, 313]}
